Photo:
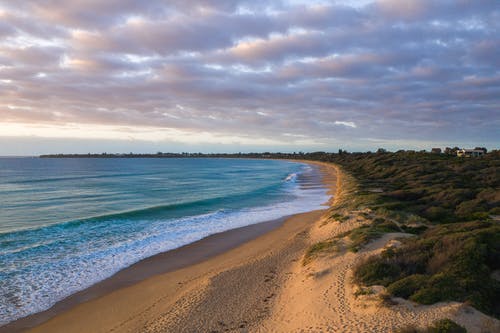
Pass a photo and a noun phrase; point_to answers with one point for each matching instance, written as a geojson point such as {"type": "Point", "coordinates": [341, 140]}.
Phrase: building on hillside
{"type": "Point", "coordinates": [470, 152]}
{"type": "Point", "coordinates": [451, 151]}
{"type": "Point", "coordinates": [436, 150]}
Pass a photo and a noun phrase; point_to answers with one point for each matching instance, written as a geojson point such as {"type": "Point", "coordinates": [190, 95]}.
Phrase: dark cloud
{"type": "Point", "coordinates": [378, 71]}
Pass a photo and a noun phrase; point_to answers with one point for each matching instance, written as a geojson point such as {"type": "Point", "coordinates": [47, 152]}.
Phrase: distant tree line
{"type": "Point", "coordinates": [318, 155]}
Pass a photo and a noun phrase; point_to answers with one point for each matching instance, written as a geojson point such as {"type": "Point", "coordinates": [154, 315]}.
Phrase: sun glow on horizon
{"type": "Point", "coordinates": [126, 133]}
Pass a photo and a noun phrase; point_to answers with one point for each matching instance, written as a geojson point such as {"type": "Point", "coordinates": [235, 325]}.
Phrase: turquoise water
{"type": "Point", "coordinates": [66, 224]}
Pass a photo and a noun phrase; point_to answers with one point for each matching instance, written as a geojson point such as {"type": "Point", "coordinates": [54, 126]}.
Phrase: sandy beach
{"type": "Point", "coordinates": [251, 279]}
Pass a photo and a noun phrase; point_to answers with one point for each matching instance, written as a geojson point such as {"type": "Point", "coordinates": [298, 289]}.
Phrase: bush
{"type": "Point", "coordinates": [440, 287]}
{"type": "Point", "coordinates": [376, 272]}
{"type": "Point", "coordinates": [446, 326]}
{"type": "Point", "coordinates": [363, 235]}
{"type": "Point", "coordinates": [408, 285]}
{"type": "Point", "coordinates": [440, 326]}
{"type": "Point", "coordinates": [436, 213]}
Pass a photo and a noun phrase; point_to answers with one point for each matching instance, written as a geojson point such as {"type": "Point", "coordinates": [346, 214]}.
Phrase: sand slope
{"type": "Point", "coordinates": [320, 297]}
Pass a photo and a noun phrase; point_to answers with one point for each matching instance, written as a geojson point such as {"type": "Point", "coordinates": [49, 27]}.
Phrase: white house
{"type": "Point", "coordinates": [470, 152]}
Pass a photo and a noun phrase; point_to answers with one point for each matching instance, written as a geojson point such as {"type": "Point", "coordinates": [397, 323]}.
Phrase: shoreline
{"type": "Point", "coordinates": [143, 305]}
{"type": "Point", "coordinates": [186, 256]}
{"type": "Point", "coordinates": [161, 263]}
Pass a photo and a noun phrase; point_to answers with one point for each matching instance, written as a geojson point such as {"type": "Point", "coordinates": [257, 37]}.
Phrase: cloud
{"type": "Point", "coordinates": [260, 69]}
{"type": "Point", "coordinates": [346, 123]}
{"type": "Point", "coordinates": [409, 9]}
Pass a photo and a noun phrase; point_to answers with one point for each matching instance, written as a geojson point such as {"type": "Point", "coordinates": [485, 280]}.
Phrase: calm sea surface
{"type": "Point", "coordinates": [66, 224]}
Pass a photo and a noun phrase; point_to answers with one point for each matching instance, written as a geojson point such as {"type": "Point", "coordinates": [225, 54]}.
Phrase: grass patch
{"type": "Point", "coordinates": [446, 326]}
{"type": "Point", "coordinates": [315, 250]}
{"type": "Point", "coordinates": [440, 326]}
{"type": "Point", "coordinates": [363, 235]}
{"type": "Point", "coordinates": [363, 291]}
{"type": "Point", "coordinates": [339, 217]}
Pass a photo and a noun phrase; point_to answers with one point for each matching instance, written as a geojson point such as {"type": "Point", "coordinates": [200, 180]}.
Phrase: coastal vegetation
{"type": "Point", "coordinates": [440, 326]}
{"type": "Point", "coordinates": [331, 245]}
{"type": "Point", "coordinates": [446, 263]}
{"type": "Point", "coordinates": [451, 205]}
{"type": "Point", "coordinates": [436, 188]}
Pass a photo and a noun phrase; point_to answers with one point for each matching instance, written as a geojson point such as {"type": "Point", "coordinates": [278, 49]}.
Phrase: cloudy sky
{"type": "Point", "coordinates": [221, 75]}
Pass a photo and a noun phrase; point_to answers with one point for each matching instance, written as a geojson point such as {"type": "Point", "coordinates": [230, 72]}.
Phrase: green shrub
{"type": "Point", "coordinates": [408, 285]}
{"type": "Point", "coordinates": [440, 326]}
{"type": "Point", "coordinates": [376, 272]}
{"type": "Point", "coordinates": [436, 213]}
{"type": "Point", "coordinates": [440, 287]}
{"type": "Point", "coordinates": [446, 326]}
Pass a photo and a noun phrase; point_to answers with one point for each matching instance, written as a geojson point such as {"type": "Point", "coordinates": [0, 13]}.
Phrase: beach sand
{"type": "Point", "coordinates": [254, 282]}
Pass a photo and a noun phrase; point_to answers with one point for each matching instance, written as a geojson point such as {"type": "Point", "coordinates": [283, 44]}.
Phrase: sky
{"type": "Point", "coordinates": [227, 76]}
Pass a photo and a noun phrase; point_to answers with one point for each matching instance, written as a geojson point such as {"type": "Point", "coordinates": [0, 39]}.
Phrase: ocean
{"type": "Point", "coordinates": [66, 224]}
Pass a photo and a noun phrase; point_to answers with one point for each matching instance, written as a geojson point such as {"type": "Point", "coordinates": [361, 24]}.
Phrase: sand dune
{"type": "Point", "coordinates": [321, 296]}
